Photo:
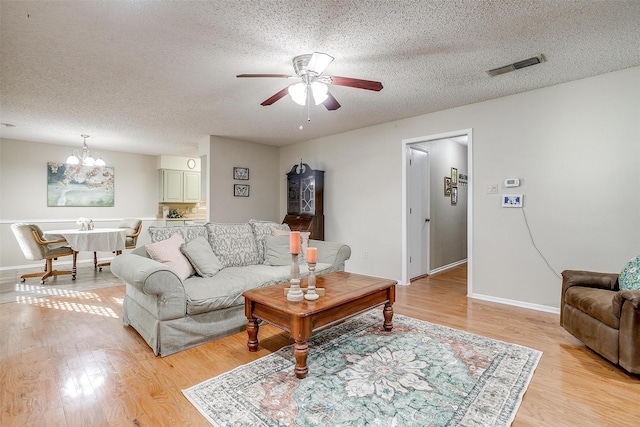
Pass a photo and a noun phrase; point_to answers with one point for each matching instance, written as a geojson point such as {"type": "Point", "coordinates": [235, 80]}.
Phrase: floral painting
{"type": "Point", "coordinates": [78, 185]}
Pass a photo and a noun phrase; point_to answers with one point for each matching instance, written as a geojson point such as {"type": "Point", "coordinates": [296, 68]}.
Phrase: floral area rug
{"type": "Point", "coordinates": [419, 374]}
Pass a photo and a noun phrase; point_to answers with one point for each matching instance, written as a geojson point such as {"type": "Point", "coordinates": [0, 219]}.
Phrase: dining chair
{"type": "Point", "coordinates": [35, 247]}
{"type": "Point", "coordinates": [133, 228]}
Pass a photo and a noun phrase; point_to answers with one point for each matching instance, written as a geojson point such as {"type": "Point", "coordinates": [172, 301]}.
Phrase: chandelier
{"type": "Point", "coordinates": [84, 157]}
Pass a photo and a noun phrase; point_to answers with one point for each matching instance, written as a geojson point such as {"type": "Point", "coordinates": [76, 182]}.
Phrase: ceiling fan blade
{"type": "Point", "coordinates": [357, 83]}
{"type": "Point", "coordinates": [276, 97]}
{"type": "Point", "coordinates": [331, 103]}
{"type": "Point", "coordinates": [278, 76]}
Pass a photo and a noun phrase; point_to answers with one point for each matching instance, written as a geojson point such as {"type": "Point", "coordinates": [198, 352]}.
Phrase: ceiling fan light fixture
{"type": "Point", "coordinates": [318, 62]}
{"type": "Point", "coordinates": [298, 92]}
{"type": "Point", "coordinates": [319, 91]}
{"type": "Point", "coordinates": [309, 68]}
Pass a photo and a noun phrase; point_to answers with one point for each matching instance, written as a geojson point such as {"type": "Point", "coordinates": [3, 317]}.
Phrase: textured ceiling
{"type": "Point", "coordinates": [158, 77]}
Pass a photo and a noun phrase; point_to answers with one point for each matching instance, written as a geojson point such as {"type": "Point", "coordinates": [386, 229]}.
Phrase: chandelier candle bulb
{"type": "Point", "coordinates": [312, 255]}
{"type": "Point", "coordinates": [294, 242]}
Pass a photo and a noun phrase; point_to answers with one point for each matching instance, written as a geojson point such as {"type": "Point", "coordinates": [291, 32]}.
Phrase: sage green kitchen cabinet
{"type": "Point", "coordinates": [179, 186]}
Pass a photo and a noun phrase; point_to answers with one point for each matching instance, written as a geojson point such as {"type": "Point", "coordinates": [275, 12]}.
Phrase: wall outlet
{"type": "Point", "coordinates": [492, 189]}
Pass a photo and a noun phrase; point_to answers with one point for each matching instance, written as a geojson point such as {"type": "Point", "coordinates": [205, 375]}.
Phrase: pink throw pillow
{"type": "Point", "coordinates": [168, 252]}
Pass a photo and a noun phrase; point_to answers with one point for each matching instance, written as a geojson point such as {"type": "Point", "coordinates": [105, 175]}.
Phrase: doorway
{"type": "Point", "coordinates": [425, 246]}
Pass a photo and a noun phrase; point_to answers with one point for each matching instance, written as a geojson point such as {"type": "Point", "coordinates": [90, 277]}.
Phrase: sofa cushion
{"type": "Point", "coordinates": [233, 244]}
{"type": "Point", "coordinates": [225, 289]}
{"type": "Point", "coordinates": [262, 229]}
{"type": "Point", "coordinates": [168, 252]}
{"type": "Point", "coordinates": [187, 232]}
{"type": "Point", "coordinates": [276, 250]}
{"type": "Point", "coordinates": [304, 242]}
{"type": "Point", "coordinates": [595, 302]}
{"type": "Point", "coordinates": [629, 278]}
{"type": "Point", "coordinates": [201, 256]}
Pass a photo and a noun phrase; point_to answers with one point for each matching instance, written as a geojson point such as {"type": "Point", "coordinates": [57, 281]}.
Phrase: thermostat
{"type": "Point", "coordinates": [512, 182]}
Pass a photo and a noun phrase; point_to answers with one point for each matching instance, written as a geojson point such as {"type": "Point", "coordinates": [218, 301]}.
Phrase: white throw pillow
{"type": "Point", "coordinates": [168, 252]}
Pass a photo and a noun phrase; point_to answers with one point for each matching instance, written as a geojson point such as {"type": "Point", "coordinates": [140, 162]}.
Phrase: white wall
{"type": "Point", "coordinates": [264, 176]}
{"type": "Point", "coordinates": [575, 147]}
{"type": "Point", "coordinates": [23, 193]}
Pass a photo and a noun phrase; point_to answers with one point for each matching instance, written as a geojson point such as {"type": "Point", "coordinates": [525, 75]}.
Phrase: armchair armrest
{"type": "Point", "coordinates": [626, 305]}
{"type": "Point", "coordinates": [621, 296]}
{"type": "Point", "coordinates": [47, 242]}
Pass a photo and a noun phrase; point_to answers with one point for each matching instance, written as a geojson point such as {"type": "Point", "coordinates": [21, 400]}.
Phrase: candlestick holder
{"type": "Point", "coordinates": [311, 294]}
{"type": "Point", "coordinates": [295, 293]}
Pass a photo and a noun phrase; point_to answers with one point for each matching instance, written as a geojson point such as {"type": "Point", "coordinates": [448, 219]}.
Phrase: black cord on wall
{"type": "Point", "coordinates": [536, 247]}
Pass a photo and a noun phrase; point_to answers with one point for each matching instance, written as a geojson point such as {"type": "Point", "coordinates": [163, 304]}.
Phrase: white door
{"type": "Point", "coordinates": [418, 199]}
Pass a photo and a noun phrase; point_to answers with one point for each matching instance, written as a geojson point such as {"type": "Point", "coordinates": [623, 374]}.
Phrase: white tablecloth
{"type": "Point", "coordinates": [96, 240]}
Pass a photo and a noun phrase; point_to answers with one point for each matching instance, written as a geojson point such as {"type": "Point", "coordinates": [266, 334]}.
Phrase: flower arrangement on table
{"type": "Point", "coordinates": [85, 223]}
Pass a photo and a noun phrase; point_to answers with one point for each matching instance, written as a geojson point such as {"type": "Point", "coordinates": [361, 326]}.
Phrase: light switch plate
{"type": "Point", "coordinates": [492, 189]}
{"type": "Point", "coordinates": [512, 200]}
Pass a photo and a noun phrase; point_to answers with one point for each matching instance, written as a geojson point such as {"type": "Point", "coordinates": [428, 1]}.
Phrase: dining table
{"type": "Point", "coordinates": [95, 240]}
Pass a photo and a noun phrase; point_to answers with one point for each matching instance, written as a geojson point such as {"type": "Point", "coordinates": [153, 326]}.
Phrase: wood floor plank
{"type": "Point", "coordinates": [66, 358]}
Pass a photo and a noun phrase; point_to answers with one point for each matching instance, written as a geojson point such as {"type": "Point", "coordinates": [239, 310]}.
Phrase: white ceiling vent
{"type": "Point", "coordinates": [516, 65]}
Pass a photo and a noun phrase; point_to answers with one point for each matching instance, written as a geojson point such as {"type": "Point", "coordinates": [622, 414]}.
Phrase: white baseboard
{"type": "Point", "coordinates": [537, 307]}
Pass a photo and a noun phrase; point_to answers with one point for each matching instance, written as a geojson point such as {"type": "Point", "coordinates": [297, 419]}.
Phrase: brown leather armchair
{"type": "Point", "coordinates": [604, 318]}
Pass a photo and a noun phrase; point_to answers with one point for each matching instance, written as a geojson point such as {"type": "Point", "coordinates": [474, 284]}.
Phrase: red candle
{"type": "Point", "coordinates": [294, 242]}
{"type": "Point", "coordinates": [312, 255]}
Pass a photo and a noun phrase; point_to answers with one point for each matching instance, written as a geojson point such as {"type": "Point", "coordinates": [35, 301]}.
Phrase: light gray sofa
{"type": "Point", "coordinates": [173, 314]}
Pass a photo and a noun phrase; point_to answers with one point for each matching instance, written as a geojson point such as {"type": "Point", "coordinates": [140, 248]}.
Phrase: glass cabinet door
{"type": "Point", "coordinates": [308, 195]}
{"type": "Point", "coordinates": [293, 199]}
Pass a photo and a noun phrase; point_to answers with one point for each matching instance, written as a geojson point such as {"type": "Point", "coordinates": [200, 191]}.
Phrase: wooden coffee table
{"type": "Point", "coordinates": [346, 295]}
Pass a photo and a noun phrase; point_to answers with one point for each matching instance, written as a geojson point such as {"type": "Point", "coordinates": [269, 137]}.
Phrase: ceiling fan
{"type": "Point", "coordinates": [313, 84]}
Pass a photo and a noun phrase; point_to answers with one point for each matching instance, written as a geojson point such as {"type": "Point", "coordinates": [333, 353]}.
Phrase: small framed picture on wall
{"type": "Point", "coordinates": [447, 186]}
{"type": "Point", "coordinates": [241, 173]}
{"type": "Point", "coordinates": [240, 190]}
{"type": "Point", "coordinates": [454, 176]}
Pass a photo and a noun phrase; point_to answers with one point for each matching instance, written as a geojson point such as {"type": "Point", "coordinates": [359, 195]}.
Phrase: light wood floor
{"type": "Point", "coordinates": [67, 360]}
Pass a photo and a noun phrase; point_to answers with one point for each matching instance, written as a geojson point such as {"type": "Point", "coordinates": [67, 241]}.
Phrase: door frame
{"type": "Point", "coordinates": [405, 202]}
